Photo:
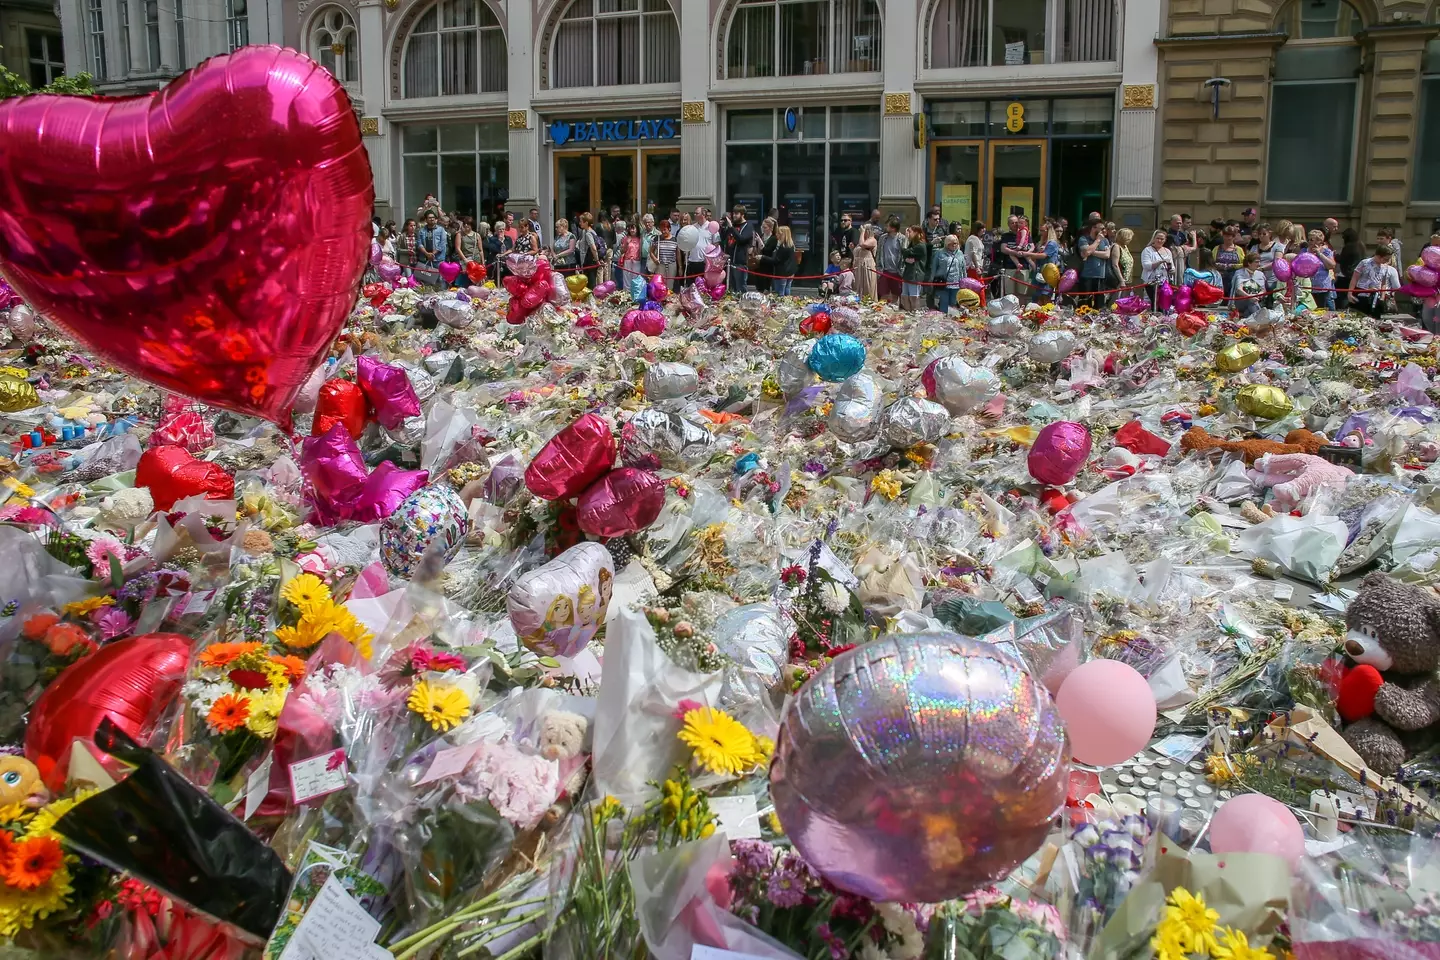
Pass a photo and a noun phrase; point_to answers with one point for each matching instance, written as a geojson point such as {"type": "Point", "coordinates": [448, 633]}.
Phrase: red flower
{"type": "Point", "coordinates": [250, 679]}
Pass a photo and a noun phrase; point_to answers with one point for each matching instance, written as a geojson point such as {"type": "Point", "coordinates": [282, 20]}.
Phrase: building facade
{"type": "Point", "coordinates": [1304, 109]}
{"type": "Point", "coordinates": [813, 108]}
{"type": "Point", "coordinates": [31, 41]}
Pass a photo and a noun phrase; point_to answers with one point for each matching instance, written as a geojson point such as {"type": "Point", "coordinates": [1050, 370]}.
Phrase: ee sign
{"type": "Point", "coordinates": [603, 131]}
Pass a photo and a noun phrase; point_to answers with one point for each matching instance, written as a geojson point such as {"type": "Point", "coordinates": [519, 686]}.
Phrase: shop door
{"type": "Point", "coordinates": [1017, 181]}
{"type": "Point", "coordinates": [594, 182]}
{"type": "Point", "coordinates": [957, 169]}
{"type": "Point", "coordinates": [661, 186]}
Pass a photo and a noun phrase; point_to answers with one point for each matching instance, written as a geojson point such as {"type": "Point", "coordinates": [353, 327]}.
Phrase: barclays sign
{"type": "Point", "coordinates": [563, 132]}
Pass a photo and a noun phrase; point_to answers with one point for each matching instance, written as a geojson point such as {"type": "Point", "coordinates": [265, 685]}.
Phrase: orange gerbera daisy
{"type": "Point", "coordinates": [294, 667]}
{"type": "Point", "coordinates": [229, 713]}
{"type": "Point", "coordinates": [7, 850]}
{"type": "Point", "coordinates": [33, 862]}
{"type": "Point", "coordinates": [221, 654]}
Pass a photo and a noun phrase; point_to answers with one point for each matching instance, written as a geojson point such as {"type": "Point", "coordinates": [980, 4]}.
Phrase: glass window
{"type": "Point", "coordinates": [455, 48]}
{"type": "Point", "coordinates": [446, 162]}
{"type": "Point", "coordinates": [152, 34]}
{"type": "Point", "coordinates": [979, 33]}
{"type": "Point", "coordinates": [180, 34]}
{"type": "Point", "coordinates": [1019, 34]}
{"type": "Point", "coordinates": [1088, 31]}
{"type": "Point", "coordinates": [47, 59]}
{"type": "Point", "coordinates": [748, 172]}
{"type": "Point", "coordinates": [1311, 126]}
{"type": "Point", "coordinates": [494, 135]}
{"type": "Point", "coordinates": [800, 195]}
{"type": "Point", "coordinates": [1427, 162]}
{"type": "Point", "coordinates": [1319, 19]}
{"type": "Point", "coordinates": [809, 122]}
{"type": "Point", "coordinates": [1018, 118]}
{"type": "Point", "coordinates": [237, 23]}
{"type": "Point", "coordinates": [790, 38]}
{"type": "Point", "coordinates": [854, 181]}
{"type": "Point", "coordinates": [122, 10]}
{"type": "Point", "coordinates": [1091, 115]}
{"type": "Point", "coordinates": [855, 123]}
{"type": "Point", "coordinates": [613, 42]}
{"type": "Point", "coordinates": [964, 118]}
{"type": "Point", "coordinates": [95, 26]}
{"type": "Point", "coordinates": [750, 125]}
{"type": "Point", "coordinates": [335, 46]}
{"type": "Point", "coordinates": [457, 136]}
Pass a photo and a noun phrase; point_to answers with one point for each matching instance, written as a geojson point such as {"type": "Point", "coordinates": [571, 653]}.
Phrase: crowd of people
{"type": "Point", "coordinates": [921, 266]}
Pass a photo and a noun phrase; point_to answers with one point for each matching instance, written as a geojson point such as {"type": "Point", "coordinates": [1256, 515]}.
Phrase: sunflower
{"type": "Point", "coordinates": [441, 706]}
{"type": "Point", "coordinates": [32, 862]}
{"type": "Point", "coordinates": [223, 654]}
{"type": "Point", "coordinates": [43, 825]}
{"type": "Point", "coordinates": [81, 608]}
{"type": "Point", "coordinates": [229, 713]}
{"type": "Point", "coordinates": [1234, 945]}
{"type": "Point", "coordinates": [721, 744]}
{"type": "Point", "coordinates": [306, 591]}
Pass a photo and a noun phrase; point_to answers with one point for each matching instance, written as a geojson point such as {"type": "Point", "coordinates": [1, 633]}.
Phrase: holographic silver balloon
{"type": "Point", "coordinates": [793, 370]}
{"type": "Point", "coordinates": [959, 386]}
{"type": "Point", "coordinates": [671, 438]}
{"type": "Point", "coordinates": [1007, 325]}
{"type": "Point", "coordinates": [845, 319]}
{"type": "Point", "coordinates": [410, 433]}
{"type": "Point", "coordinates": [920, 767]}
{"type": "Point", "coordinates": [454, 313]}
{"type": "Point", "coordinates": [856, 413]}
{"type": "Point", "coordinates": [910, 420]}
{"type": "Point", "coordinates": [1052, 346]}
{"type": "Point", "coordinates": [1003, 305]}
{"type": "Point", "coordinates": [664, 381]}
{"type": "Point", "coordinates": [422, 382]}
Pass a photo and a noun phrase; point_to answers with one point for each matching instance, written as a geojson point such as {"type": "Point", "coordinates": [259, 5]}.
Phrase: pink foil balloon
{"type": "Point", "coordinates": [208, 239]}
{"type": "Point", "coordinates": [1109, 711]}
{"type": "Point", "coordinates": [1255, 823]}
{"type": "Point", "coordinates": [389, 391]}
{"type": "Point", "coordinates": [659, 290]}
{"type": "Point", "coordinates": [1424, 276]}
{"type": "Point", "coordinates": [1129, 306]}
{"type": "Point", "coordinates": [574, 458]}
{"type": "Point", "coordinates": [338, 488]}
{"type": "Point", "coordinates": [1430, 256]}
{"type": "Point", "coordinates": [971, 284]}
{"type": "Point", "coordinates": [377, 253]}
{"type": "Point", "coordinates": [919, 768]}
{"type": "Point", "coordinates": [651, 323]}
{"type": "Point", "coordinates": [390, 271]}
{"type": "Point", "coordinates": [448, 271]}
{"type": "Point", "coordinates": [1164, 296]}
{"type": "Point", "coordinates": [691, 302]}
{"type": "Point", "coordinates": [1282, 269]}
{"type": "Point", "coordinates": [1182, 299]}
{"type": "Point", "coordinates": [1059, 452]}
{"type": "Point", "coordinates": [1068, 279]}
{"type": "Point", "coordinates": [620, 503]}
{"type": "Point", "coordinates": [1306, 265]}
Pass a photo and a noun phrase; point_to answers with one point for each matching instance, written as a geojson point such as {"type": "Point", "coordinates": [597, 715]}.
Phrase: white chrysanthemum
{"type": "Point", "coordinates": [834, 597]}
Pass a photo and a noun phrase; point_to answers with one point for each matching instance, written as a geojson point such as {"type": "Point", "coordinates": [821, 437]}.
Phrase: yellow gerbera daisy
{"type": "Point", "coordinates": [1233, 945]}
{"type": "Point", "coordinates": [440, 705]}
{"type": "Point", "coordinates": [89, 605]}
{"type": "Point", "coordinates": [721, 744]}
{"type": "Point", "coordinates": [304, 635]}
{"type": "Point", "coordinates": [306, 591]}
{"type": "Point", "coordinates": [43, 823]}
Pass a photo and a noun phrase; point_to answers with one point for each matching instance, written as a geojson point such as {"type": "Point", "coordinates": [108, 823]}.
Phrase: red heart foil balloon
{"type": "Point", "coordinates": [133, 681]}
{"type": "Point", "coordinates": [621, 502]}
{"type": "Point", "coordinates": [475, 270]}
{"type": "Point", "coordinates": [208, 239]}
{"type": "Point", "coordinates": [341, 401]}
{"type": "Point", "coordinates": [574, 458]}
{"type": "Point", "coordinates": [172, 474]}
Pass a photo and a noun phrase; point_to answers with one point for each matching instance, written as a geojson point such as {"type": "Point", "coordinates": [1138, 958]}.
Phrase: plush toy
{"type": "Point", "coordinates": [1296, 441]}
{"type": "Point", "coordinates": [20, 783]}
{"type": "Point", "coordinates": [562, 734]}
{"type": "Point", "coordinates": [1394, 638]}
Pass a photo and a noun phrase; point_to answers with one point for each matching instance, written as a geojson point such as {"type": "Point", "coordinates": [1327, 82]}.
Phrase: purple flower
{"type": "Point", "coordinates": [753, 857]}
{"type": "Point", "coordinates": [112, 622]}
{"type": "Point", "coordinates": [814, 467]}
{"type": "Point", "coordinates": [785, 888]}
{"type": "Point", "coordinates": [834, 942]}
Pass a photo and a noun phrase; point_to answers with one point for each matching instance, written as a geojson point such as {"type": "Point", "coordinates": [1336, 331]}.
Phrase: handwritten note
{"type": "Point", "coordinates": [449, 763]}
{"type": "Point", "coordinates": [335, 927]}
{"type": "Point", "coordinates": [317, 776]}
{"type": "Point", "coordinates": [257, 785]}
{"type": "Point", "coordinates": [739, 817]}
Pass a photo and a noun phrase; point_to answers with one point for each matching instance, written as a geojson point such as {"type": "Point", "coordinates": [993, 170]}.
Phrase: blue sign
{"type": "Point", "coordinates": [592, 131]}
{"type": "Point", "coordinates": [792, 116]}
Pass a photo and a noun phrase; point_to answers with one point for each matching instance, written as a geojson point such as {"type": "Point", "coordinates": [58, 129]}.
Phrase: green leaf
{"type": "Point", "coordinates": [549, 662]}
{"type": "Point", "coordinates": [117, 573]}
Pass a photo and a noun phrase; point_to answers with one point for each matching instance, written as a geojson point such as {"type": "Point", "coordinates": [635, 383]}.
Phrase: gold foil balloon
{"type": "Point", "coordinates": [1237, 357]}
{"type": "Point", "coordinates": [1051, 273]}
{"type": "Point", "coordinates": [1263, 401]}
{"type": "Point", "coordinates": [919, 767]}
{"type": "Point", "coordinates": [17, 395]}
{"type": "Point", "coordinates": [578, 285]}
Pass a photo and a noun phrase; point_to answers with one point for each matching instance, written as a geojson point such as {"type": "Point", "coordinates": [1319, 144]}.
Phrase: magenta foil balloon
{"type": "Point", "coordinates": [1182, 299]}
{"type": "Point", "coordinates": [389, 391]}
{"type": "Point", "coordinates": [1164, 296]}
{"type": "Point", "coordinates": [390, 271]}
{"type": "Point", "coordinates": [339, 489]}
{"type": "Point", "coordinates": [209, 238]}
{"type": "Point", "coordinates": [1282, 269]}
{"type": "Point", "coordinates": [1059, 453]}
{"type": "Point", "coordinates": [1306, 265]}
{"type": "Point", "coordinates": [659, 290]}
{"type": "Point", "coordinates": [1068, 279]}
{"type": "Point", "coordinates": [620, 503]}
{"type": "Point", "coordinates": [449, 271]}
{"type": "Point", "coordinates": [1129, 306]}
{"type": "Point", "coordinates": [920, 767]}
{"type": "Point", "coordinates": [651, 323]}
{"type": "Point", "coordinates": [574, 458]}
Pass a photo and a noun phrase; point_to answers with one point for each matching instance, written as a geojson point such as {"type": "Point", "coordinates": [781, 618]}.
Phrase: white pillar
{"type": "Point", "coordinates": [169, 41]}
{"type": "Point", "coordinates": [1135, 133]}
{"type": "Point", "coordinates": [374, 75]}
{"type": "Point", "coordinates": [901, 165]}
{"type": "Point", "coordinates": [76, 38]}
{"type": "Point", "coordinates": [700, 119]}
{"type": "Point", "coordinates": [139, 51]}
{"type": "Point", "coordinates": [523, 124]}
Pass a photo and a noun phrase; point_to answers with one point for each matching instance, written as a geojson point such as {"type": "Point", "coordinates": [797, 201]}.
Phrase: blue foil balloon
{"type": "Point", "coordinates": [636, 286]}
{"type": "Point", "coordinates": [746, 463]}
{"type": "Point", "coordinates": [651, 305]}
{"type": "Point", "coordinates": [836, 357]}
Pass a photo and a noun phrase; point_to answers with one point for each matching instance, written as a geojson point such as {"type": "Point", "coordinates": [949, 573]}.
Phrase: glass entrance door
{"type": "Point", "coordinates": [661, 190]}
{"type": "Point", "coordinates": [958, 167]}
{"type": "Point", "coordinates": [1017, 180]}
{"type": "Point", "coordinates": [594, 182]}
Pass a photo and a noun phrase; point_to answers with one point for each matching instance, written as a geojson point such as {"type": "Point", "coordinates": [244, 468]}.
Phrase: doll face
{"type": "Point", "coordinates": [20, 782]}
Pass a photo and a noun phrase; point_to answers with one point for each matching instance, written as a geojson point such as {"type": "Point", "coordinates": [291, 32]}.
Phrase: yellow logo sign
{"type": "Point", "coordinates": [1015, 117]}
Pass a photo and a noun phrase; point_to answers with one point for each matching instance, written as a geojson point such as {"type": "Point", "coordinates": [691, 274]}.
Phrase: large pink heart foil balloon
{"type": "Point", "coordinates": [338, 487]}
{"type": "Point", "coordinates": [389, 390]}
{"type": "Point", "coordinates": [574, 458]}
{"type": "Point", "coordinates": [620, 503]}
{"type": "Point", "coordinates": [449, 271]}
{"type": "Point", "coordinates": [1059, 452]}
{"type": "Point", "coordinates": [919, 767]}
{"type": "Point", "coordinates": [208, 239]}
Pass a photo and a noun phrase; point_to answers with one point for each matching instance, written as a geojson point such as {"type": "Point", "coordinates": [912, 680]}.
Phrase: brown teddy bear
{"type": "Point", "coordinates": [1391, 698]}
{"type": "Point", "coordinates": [1296, 441]}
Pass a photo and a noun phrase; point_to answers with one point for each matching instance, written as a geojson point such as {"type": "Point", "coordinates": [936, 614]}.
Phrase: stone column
{"type": "Point", "coordinates": [699, 118]}
{"type": "Point", "coordinates": [1135, 127]}
{"type": "Point", "coordinates": [135, 20]}
{"type": "Point", "coordinates": [524, 126]}
{"type": "Point", "coordinates": [902, 166]}
{"type": "Point", "coordinates": [374, 75]}
{"type": "Point", "coordinates": [169, 41]}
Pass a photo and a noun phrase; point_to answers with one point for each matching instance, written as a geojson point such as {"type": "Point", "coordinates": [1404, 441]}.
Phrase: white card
{"type": "Point", "coordinates": [335, 927]}
{"type": "Point", "coordinates": [698, 952]}
{"type": "Point", "coordinates": [317, 776]}
{"type": "Point", "coordinates": [449, 763]}
{"type": "Point", "coordinates": [257, 785]}
{"type": "Point", "coordinates": [739, 816]}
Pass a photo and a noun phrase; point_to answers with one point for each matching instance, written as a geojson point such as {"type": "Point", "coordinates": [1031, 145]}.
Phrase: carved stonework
{"type": "Point", "coordinates": [897, 104]}
{"type": "Point", "coordinates": [1139, 96]}
{"type": "Point", "coordinates": [369, 126]}
{"type": "Point", "coordinates": [519, 119]}
{"type": "Point", "coordinates": [692, 111]}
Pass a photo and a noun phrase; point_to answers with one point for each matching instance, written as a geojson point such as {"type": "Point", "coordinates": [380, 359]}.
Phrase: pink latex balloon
{"type": "Point", "coordinates": [1129, 306]}
{"type": "Point", "coordinates": [1255, 823]}
{"type": "Point", "coordinates": [659, 290]}
{"type": "Point", "coordinates": [1282, 269]}
{"type": "Point", "coordinates": [338, 488]}
{"type": "Point", "coordinates": [574, 458]}
{"type": "Point", "coordinates": [971, 284]}
{"type": "Point", "coordinates": [713, 228]}
{"type": "Point", "coordinates": [1306, 265]}
{"type": "Point", "coordinates": [132, 681]}
{"type": "Point", "coordinates": [449, 271]}
{"type": "Point", "coordinates": [239, 196]}
{"type": "Point", "coordinates": [1182, 299]}
{"type": "Point", "coordinates": [1430, 256]}
{"type": "Point", "coordinates": [1164, 296]}
{"type": "Point", "coordinates": [377, 253]}
{"type": "Point", "coordinates": [620, 503]}
{"type": "Point", "coordinates": [1068, 279]}
{"type": "Point", "coordinates": [1424, 276]}
{"type": "Point", "coordinates": [651, 323]}
{"type": "Point", "coordinates": [389, 391]}
{"type": "Point", "coordinates": [390, 271]}
{"type": "Point", "coordinates": [1109, 711]}
{"type": "Point", "coordinates": [1059, 452]}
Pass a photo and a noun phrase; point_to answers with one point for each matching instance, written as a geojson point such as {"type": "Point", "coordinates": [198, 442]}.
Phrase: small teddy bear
{"type": "Point", "coordinates": [562, 734]}
{"type": "Point", "coordinates": [1391, 699]}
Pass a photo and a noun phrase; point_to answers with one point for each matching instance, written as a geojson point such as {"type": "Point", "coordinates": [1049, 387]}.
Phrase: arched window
{"type": "Point", "coordinates": [984, 33]}
{"type": "Point", "coordinates": [1313, 102]}
{"type": "Point", "coordinates": [602, 43]}
{"type": "Point", "coordinates": [791, 38]}
{"type": "Point", "coordinates": [334, 44]}
{"type": "Point", "coordinates": [456, 47]}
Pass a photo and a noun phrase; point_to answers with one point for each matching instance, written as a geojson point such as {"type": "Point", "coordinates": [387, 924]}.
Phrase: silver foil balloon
{"type": "Point", "coordinates": [669, 437]}
{"type": "Point", "coordinates": [421, 381]}
{"type": "Point", "coordinates": [960, 387]}
{"type": "Point", "coordinates": [1003, 305]}
{"type": "Point", "coordinates": [523, 265]}
{"type": "Point", "coordinates": [855, 415]}
{"type": "Point", "coordinates": [22, 321]}
{"type": "Point", "coordinates": [665, 381]}
{"type": "Point", "coordinates": [1006, 325]}
{"type": "Point", "coordinates": [793, 370]}
{"type": "Point", "coordinates": [910, 420]}
{"type": "Point", "coordinates": [1052, 346]}
{"type": "Point", "coordinates": [559, 293]}
{"type": "Point", "coordinates": [440, 362]}
{"type": "Point", "coordinates": [558, 608]}
{"type": "Point", "coordinates": [917, 768]}
{"type": "Point", "coordinates": [410, 433]}
{"type": "Point", "coordinates": [454, 313]}
{"type": "Point", "coordinates": [1264, 319]}
{"type": "Point", "coordinates": [752, 302]}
